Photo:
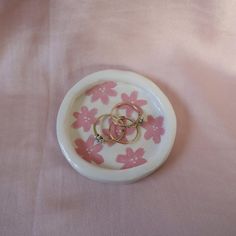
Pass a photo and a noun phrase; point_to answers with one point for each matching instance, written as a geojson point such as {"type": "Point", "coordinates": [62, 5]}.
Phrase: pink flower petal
{"type": "Point", "coordinates": [124, 97]}
{"type": "Point", "coordinates": [82, 152]}
{"type": "Point", "coordinates": [148, 134]}
{"type": "Point", "coordinates": [161, 131]}
{"type": "Point", "coordinates": [104, 98]}
{"type": "Point", "coordinates": [76, 114]}
{"type": "Point", "coordinates": [129, 152]}
{"type": "Point", "coordinates": [128, 165]}
{"type": "Point", "coordinates": [122, 158]}
{"type": "Point", "coordinates": [111, 93]}
{"type": "Point", "coordinates": [150, 119]}
{"type": "Point", "coordinates": [91, 90]}
{"type": "Point", "coordinates": [131, 164]}
{"type": "Point", "coordinates": [159, 121]}
{"type": "Point", "coordinates": [156, 138]}
{"type": "Point", "coordinates": [139, 153]}
{"type": "Point", "coordinates": [97, 148]}
{"type": "Point", "coordinates": [98, 159]}
{"type": "Point", "coordinates": [86, 126]}
{"type": "Point", "coordinates": [90, 141]}
{"type": "Point", "coordinates": [86, 157]}
{"type": "Point", "coordinates": [76, 125]}
{"type": "Point", "coordinates": [133, 96]}
{"type": "Point", "coordinates": [110, 84]}
{"type": "Point", "coordinates": [140, 161]}
{"type": "Point", "coordinates": [145, 125]}
{"type": "Point", "coordinates": [141, 102]}
{"type": "Point", "coordinates": [84, 109]}
{"type": "Point", "coordinates": [79, 142]}
{"type": "Point", "coordinates": [93, 112]}
{"type": "Point", "coordinates": [95, 97]}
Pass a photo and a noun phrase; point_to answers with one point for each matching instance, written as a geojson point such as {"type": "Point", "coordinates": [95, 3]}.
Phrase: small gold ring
{"type": "Point", "coordinates": [100, 138]}
{"type": "Point", "coordinates": [121, 141]}
{"type": "Point", "coordinates": [133, 123]}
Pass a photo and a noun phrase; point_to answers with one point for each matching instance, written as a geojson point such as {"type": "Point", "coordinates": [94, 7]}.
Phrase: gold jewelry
{"type": "Point", "coordinates": [132, 123]}
{"type": "Point", "coordinates": [121, 122]}
{"type": "Point", "coordinates": [122, 141]}
{"type": "Point", "coordinates": [100, 138]}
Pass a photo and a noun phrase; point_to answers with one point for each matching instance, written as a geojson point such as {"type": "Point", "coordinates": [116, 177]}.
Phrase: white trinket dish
{"type": "Point", "coordinates": [95, 95]}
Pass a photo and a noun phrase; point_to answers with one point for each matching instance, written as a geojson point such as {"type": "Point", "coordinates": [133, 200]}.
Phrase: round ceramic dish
{"type": "Point", "coordinates": [95, 95]}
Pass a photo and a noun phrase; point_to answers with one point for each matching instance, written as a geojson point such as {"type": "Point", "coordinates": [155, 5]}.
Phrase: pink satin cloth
{"type": "Point", "coordinates": [188, 48]}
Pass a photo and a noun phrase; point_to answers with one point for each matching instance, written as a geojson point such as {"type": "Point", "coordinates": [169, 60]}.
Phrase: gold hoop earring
{"type": "Point", "coordinates": [100, 138]}
{"type": "Point", "coordinates": [122, 141]}
{"type": "Point", "coordinates": [137, 109]}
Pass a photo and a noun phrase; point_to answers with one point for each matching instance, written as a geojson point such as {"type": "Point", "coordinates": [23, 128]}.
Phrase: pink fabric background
{"type": "Point", "coordinates": [187, 47]}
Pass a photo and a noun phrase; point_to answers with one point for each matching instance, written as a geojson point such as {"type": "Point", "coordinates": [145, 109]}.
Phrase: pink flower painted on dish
{"type": "Point", "coordinates": [103, 92]}
{"type": "Point", "coordinates": [85, 118]}
{"type": "Point", "coordinates": [133, 98]}
{"type": "Point", "coordinates": [131, 158]}
{"type": "Point", "coordinates": [154, 128]}
{"type": "Point", "coordinates": [89, 150]}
